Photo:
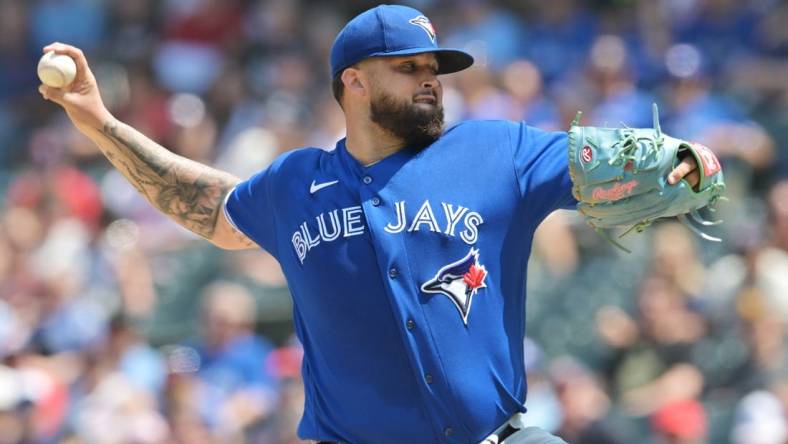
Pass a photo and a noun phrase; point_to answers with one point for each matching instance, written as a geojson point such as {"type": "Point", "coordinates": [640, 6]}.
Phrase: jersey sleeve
{"type": "Point", "coordinates": [541, 163]}
{"type": "Point", "coordinates": [249, 207]}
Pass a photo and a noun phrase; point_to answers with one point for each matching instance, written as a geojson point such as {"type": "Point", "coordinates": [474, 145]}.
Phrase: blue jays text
{"type": "Point", "coordinates": [349, 222]}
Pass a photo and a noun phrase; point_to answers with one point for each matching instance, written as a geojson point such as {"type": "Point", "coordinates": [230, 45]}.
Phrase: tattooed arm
{"type": "Point", "coordinates": [190, 193]}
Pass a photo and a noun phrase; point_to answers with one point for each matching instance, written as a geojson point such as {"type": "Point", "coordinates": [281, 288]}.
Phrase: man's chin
{"type": "Point", "coordinates": [425, 106]}
{"type": "Point", "coordinates": [418, 124]}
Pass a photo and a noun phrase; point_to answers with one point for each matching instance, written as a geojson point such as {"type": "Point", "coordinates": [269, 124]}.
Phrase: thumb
{"type": "Point", "coordinates": [52, 94]}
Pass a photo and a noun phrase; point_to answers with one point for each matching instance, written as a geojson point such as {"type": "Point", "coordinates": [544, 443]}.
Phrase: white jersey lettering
{"type": "Point", "coordinates": [351, 223]}
{"type": "Point", "coordinates": [352, 219]}
{"type": "Point", "coordinates": [452, 217]}
{"type": "Point", "coordinates": [336, 227]}
{"type": "Point", "coordinates": [399, 207]}
{"type": "Point", "coordinates": [424, 216]}
{"type": "Point", "coordinates": [472, 222]}
{"type": "Point", "coordinates": [300, 246]}
{"type": "Point", "coordinates": [311, 242]}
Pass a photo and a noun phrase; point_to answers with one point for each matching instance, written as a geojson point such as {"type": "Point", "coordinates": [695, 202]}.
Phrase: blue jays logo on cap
{"type": "Point", "coordinates": [459, 281]}
{"type": "Point", "coordinates": [392, 30]}
{"type": "Point", "coordinates": [424, 23]}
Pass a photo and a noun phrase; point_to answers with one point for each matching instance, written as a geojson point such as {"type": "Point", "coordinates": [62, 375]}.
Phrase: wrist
{"type": "Point", "coordinates": [96, 124]}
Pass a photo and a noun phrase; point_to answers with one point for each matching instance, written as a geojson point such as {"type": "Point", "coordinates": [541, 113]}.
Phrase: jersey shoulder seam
{"type": "Point", "coordinates": [519, 191]}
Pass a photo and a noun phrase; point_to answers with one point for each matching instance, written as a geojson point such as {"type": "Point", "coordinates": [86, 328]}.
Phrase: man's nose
{"type": "Point", "coordinates": [431, 82]}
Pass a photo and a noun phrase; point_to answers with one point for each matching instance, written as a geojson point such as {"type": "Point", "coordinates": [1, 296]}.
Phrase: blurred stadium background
{"type": "Point", "coordinates": [117, 326]}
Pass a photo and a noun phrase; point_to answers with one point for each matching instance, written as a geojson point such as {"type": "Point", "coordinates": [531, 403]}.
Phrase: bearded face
{"type": "Point", "coordinates": [418, 122]}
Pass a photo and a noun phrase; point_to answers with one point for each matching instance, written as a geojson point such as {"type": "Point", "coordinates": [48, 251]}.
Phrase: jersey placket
{"type": "Point", "coordinates": [377, 202]}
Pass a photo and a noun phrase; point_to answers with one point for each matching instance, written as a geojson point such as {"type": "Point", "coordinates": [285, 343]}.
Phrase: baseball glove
{"type": "Point", "coordinates": [619, 177]}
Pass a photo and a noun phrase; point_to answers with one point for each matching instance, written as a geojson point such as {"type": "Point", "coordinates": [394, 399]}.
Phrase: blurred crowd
{"type": "Point", "coordinates": [117, 326]}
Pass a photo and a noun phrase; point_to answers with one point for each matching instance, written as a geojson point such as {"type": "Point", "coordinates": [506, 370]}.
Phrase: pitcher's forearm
{"type": "Point", "coordinates": [189, 192]}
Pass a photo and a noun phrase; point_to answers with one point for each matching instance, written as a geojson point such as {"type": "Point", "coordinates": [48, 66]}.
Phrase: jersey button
{"type": "Point", "coordinates": [448, 431]}
{"type": "Point", "coordinates": [367, 179]}
{"type": "Point", "coordinates": [428, 378]}
{"type": "Point", "coordinates": [393, 273]}
{"type": "Point", "coordinates": [410, 324]}
{"type": "Point", "coordinates": [375, 201]}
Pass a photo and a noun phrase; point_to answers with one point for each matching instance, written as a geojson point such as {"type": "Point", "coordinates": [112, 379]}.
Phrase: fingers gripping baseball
{"type": "Point", "coordinates": [80, 98]}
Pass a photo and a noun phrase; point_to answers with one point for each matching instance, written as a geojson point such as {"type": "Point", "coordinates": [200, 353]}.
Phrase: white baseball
{"type": "Point", "coordinates": [56, 70]}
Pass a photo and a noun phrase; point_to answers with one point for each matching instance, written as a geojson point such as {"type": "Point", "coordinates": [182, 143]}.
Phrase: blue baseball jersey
{"type": "Point", "coordinates": [408, 277]}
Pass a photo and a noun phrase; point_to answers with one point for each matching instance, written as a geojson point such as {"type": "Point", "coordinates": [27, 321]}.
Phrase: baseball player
{"type": "Point", "coordinates": [405, 247]}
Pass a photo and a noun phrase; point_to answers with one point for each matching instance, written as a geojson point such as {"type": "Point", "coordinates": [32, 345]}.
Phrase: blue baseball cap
{"type": "Point", "coordinates": [392, 30]}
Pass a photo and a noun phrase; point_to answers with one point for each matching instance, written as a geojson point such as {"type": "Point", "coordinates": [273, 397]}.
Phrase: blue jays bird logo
{"type": "Point", "coordinates": [424, 23]}
{"type": "Point", "coordinates": [459, 281]}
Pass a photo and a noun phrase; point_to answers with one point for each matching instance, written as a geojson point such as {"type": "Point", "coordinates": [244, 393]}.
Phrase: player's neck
{"type": "Point", "coordinates": [370, 143]}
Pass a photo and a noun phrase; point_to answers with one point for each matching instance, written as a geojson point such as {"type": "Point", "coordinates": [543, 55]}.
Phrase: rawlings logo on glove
{"type": "Point", "coordinates": [619, 177]}
{"type": "Point", "coordinates": [616, 192]}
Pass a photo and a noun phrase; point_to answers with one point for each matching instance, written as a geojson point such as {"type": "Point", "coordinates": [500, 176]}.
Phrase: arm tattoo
{"type": "Point", "coordinates": [187, 191]}
{"type": "Point", "coordinates": [240, 237]}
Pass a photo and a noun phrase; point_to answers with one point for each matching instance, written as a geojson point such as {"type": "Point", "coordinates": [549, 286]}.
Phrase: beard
{"type": "Point", "coordinates": [418, 126]}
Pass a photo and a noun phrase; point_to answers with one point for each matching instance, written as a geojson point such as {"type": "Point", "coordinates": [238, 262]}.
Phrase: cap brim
{"type": "Point", "coordinates": [449, 60]}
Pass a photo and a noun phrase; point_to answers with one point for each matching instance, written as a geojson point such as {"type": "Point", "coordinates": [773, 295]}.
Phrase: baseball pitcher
{"type": "Point", "coordinates": [405, 247]}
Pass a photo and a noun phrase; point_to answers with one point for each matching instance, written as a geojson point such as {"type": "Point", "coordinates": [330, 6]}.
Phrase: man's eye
{"type": "Point", "coordinates": [408, 67]}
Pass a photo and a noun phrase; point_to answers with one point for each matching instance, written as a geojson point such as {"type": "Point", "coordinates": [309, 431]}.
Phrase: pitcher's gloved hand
{"type": "Point", "coordinates": [629, 177]}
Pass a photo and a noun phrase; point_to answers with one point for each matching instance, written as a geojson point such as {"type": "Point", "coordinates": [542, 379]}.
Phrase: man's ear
{"type": "Point", "coordinates": [355, 82]}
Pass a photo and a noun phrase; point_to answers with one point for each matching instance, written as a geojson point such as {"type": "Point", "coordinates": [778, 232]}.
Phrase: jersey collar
{"type": "Point", "coordinates": [380, 172]}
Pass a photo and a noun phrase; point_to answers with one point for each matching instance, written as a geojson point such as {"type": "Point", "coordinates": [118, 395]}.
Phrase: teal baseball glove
{"type": "Point", "coordinates": [620, 177]}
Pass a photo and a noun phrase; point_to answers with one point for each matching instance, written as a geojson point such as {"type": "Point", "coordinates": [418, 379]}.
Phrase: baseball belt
{"type": "Point", "coordinates": [512, 431]}
{"type": "Point", "coordinates": [508, 429]}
